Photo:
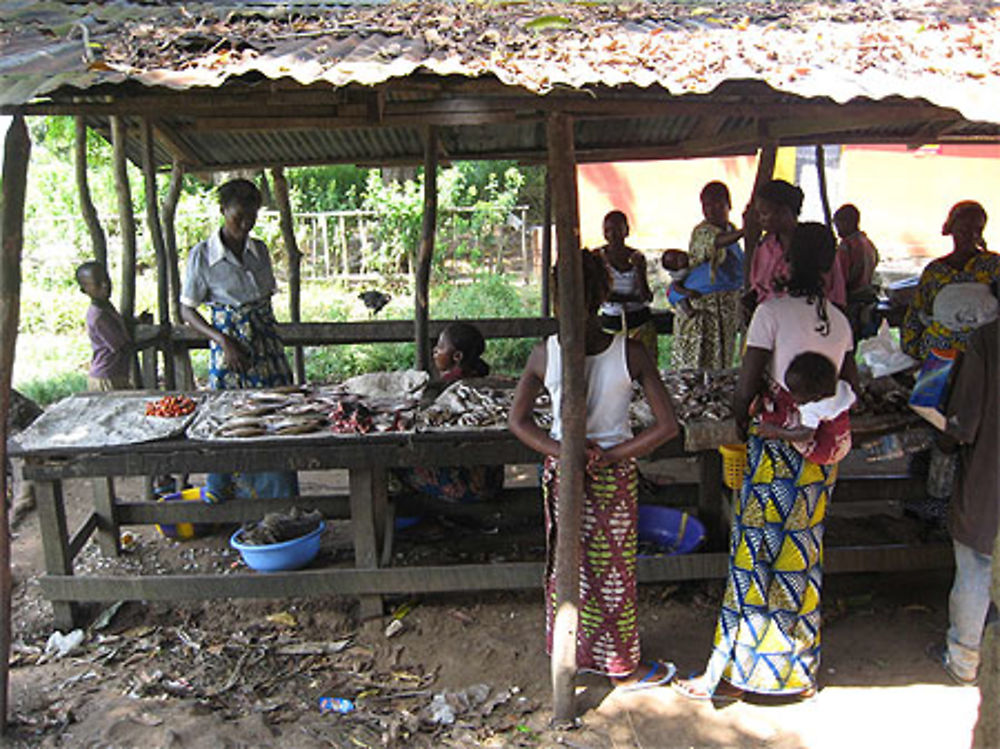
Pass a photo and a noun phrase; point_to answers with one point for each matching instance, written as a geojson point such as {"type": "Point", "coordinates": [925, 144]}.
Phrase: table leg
{"type": "Point", "coordinates": [711, 499]}
{"type": "Point", "coordinates": [55, 544]}
{"type": "Point", "coordinates": [108, 536]}
{"type": "Point", "coordinates": [368, 512]}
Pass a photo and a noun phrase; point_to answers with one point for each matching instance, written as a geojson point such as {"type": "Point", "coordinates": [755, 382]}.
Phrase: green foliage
{"type": "Point", "coordinates": [327, 188]}
{"type": "Point", "coordinates": [51, 389]}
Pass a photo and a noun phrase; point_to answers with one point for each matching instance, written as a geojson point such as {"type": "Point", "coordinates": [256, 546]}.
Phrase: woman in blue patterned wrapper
{"type": "Point", "coordinates": [231, 273]}
{"type": "Point", "coordinates": [767, 640]}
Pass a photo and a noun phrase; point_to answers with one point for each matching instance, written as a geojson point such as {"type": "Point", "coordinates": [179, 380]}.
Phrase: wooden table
{"type": "Point", "coordinates": [367, 458]}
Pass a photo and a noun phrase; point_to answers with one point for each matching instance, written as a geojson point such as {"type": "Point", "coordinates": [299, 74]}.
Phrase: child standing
{"type": "Point", "coordinates": [109, 338]}
{"type": "Point", "coordinates": [608, 638]}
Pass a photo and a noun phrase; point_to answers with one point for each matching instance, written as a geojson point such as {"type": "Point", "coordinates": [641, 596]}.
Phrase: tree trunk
{"type": "Point", "coordinates": [294, 261]}
{"type": "Point", "coordinates": [547, 247]}
{"type": "Point", "coordinates": [15, 176]}
{"type": "Point", "coordinates": [572, 315]}
{"type": "Point", "coordinates": [751, 226]}
{"type": "Point", "coordinates": [90, 217]}
{"type": "Point", "coordinates": [169, 216]}
{"type": "Point", "coordinates": [426, 252]}
{"type": "Point", "coordinates": [119, 138]}
{"type": "Point", "coordinates": [159, 247]}
{"type": "Point", "coordinates": [821, 178]}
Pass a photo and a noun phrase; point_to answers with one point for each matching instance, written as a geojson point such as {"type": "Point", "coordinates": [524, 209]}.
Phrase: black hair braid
{"type": "Point", "coordinates": [811, 254]}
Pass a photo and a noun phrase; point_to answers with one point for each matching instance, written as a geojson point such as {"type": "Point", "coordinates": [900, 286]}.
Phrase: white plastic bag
{"type": "Point", "coordinates": [882, 354]}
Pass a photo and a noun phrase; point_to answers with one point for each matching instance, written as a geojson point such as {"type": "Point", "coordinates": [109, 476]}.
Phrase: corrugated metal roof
{"type": "Point", "coordinates": [460, 64]}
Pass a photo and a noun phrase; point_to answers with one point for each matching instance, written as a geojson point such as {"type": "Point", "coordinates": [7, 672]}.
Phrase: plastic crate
{"type": "Point", "coordinates": [734, 462]}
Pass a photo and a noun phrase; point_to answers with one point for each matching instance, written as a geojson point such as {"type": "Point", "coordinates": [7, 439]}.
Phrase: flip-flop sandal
{"type": "Point", "coordinates": [659, 674]}
{"type": "Point", "coordinates": [687, 688]}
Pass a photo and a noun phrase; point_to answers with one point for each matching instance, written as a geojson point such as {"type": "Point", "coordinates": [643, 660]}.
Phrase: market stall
{"type": "Point", "coordinates": [355, 426]}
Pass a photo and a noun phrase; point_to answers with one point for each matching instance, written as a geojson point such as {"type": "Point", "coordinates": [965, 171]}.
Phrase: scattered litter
{"type": "Point", "coordinates": [128, 541]}
{"type": "Point", "coordinates": [340, 705]}
{"type": "Point", "coordinates": [441, 713]}
{"type": "Point", "coordinates": [283, 618]}
{"type": "Point", "coordinates": [313, 648]}
{"type": "Point", "coordinates": [60, 645]}
{"type": "Point", "coordinates": [105, 617]}
{"type": "Point", "coordinates": [394, 628]}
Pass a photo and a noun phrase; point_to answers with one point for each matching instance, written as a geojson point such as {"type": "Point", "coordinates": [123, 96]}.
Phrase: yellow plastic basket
{"type": "Point", "coordinates": [734, 461]}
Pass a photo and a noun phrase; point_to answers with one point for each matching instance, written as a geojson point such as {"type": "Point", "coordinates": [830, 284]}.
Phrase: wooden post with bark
{"type": "Point", "coordinates": [422, 273]}
{"type": "Point", "coordinates": [824, 196]}
{"type": "Point", "coordinates": [547, 247]}
{"type": "Point", "coordinates": [572, 315]}
{"type": "Point", "coordinates": [159, 247]}
{"type": "Point", "coordinates": [168, 214]}
{"type": "Point", "coordinates": [751, 226]}
{"type": "Point", "coordinates": [294, 261]}
{"type": "Point", "coordinates": [119, 141]}
{"type": "Point", "coordinates": [97, 239]}
{"type": "Point", "coordinates": [17, 149]}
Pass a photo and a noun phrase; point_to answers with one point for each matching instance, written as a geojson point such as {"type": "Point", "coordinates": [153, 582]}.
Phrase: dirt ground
{"type": "Point", "coordinates": [463, 671]}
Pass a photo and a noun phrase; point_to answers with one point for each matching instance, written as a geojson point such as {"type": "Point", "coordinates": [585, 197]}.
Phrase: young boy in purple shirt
{"type": "Point", "coordinates": [112, 345]}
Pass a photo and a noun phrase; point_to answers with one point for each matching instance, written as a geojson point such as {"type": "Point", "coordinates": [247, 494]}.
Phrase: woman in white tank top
{"type": "Point", "coordinates": [608, 637]}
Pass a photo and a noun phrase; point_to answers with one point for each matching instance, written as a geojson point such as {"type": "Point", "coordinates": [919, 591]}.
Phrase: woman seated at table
{"type": "Point", "coordinates": [457, 356]}
{"type": "Point", "coordinates": [231, 273]}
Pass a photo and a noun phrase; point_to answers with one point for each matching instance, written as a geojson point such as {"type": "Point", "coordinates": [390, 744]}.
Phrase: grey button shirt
{"type": "Point", "coordinates": [214, 275]}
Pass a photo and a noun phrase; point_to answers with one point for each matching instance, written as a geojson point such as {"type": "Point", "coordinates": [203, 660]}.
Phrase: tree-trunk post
{"type": "Point", "coordinates": [294, 261]}
{"type": "Point", "coordinates": [824, 195]}
{"type": "Point", "coordinates": [119, 141]}
{"type": "Point", "coordinates": [160, 249]}
{"type": "Point", "coordinates": [426, 252]}
{"type": "Point", "coordinates": [987, 732]}
{"type": "Point", "coordinates": [17, 148]}
{"type": "Point", "coordinates": [183, 372]}
{"type": "Point", "coordinates": [90, 217]}
{"type": "Point", "coordinates": [547, 247]}
{"type": "Point", "coordinates": [572, 315]}
{"type": "Point", "coordinates": [751, 227]}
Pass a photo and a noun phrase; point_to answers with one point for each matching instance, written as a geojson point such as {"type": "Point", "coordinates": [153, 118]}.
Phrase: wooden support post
{"type": "Point", "coordinates": [294, 261]}
{"type": "Point", "coordinates": [368, 513]}
{"type": "Point", "coordinates": [987, 731]}
{"type": "Point", "coordinates": [425, 255]}
{"type": "Point", "coordinates": [108, 536]}
{"type": "Point", "coordinates": [821, 177]}
{"type": "Point", "coordinates": [17, 149]}
{"type": "Point", "coordinates": [90, 217]}
{"type": "Point", "coordinates": [751, 227]}
{"type": "Point", "coordinates": [159, 247]}
{"type": "Point", "coordinates": [546, 263]}
{"type": "Point", "coordinates": [119, 139]}
{"type": "Point", "coordinates": [572, 314]}
{"type": "Point", "coordinates": [55, 546]}
{"type": "Point", "coordinates": [183, 371]}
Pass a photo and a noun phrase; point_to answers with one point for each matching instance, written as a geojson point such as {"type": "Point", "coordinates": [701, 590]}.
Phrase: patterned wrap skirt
{"type": "Point", "coordinates": [608, 634]}
{"type": "Point", "coordinates": [706, 339]}
{"type": "Point", "coordinates": [768, 635]}
{"type": "Point", "coordinates": [253, 326]}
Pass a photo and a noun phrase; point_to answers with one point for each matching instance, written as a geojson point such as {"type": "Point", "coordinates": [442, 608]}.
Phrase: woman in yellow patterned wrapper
{"type": "Point", "coordinates": [767, 639]}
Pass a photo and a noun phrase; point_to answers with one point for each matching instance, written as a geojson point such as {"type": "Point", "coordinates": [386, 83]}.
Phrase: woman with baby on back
{"type": "Point", "coordinates": [767, 639]}
{"type": "Point", "coordinates": [608, 637]}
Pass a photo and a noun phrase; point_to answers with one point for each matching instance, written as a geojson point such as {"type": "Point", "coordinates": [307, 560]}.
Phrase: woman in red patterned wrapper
{"type": "Point", "coordinates": [608, 636]}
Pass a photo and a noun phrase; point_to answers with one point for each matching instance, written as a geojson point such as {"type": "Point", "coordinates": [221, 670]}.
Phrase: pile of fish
{"type": "Point", "coordinates": [464, 405]}
{"type": "Point", "coordinates": [701, 395]}
{"type": "Point", "coordinates": [297, 410]}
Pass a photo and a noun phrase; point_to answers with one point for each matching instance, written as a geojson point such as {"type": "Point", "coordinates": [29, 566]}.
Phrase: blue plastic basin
{"type": "Point", "coordinates": [675, 532]}
{"type": "Point", "coordinates": [287, 555]}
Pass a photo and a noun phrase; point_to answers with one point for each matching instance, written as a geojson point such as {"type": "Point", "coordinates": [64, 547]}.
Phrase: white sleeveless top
{"type": "Point", "coordinates": [609, 391]}
{"type": "Point", "coordinates": [624, 282]}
